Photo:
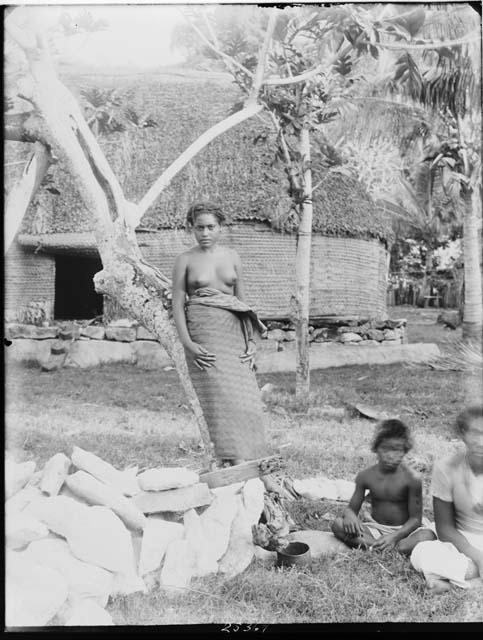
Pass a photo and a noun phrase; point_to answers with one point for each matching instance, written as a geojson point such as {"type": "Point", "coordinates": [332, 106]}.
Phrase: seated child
{"type": "Point", "coordinates": [395, 492]}
{"type": "Point", "coordinates": [457, 487]}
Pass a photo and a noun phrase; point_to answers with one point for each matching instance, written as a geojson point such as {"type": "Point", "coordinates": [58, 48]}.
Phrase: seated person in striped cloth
{"type": "Point", "coordinates": [395, 493]}
{"type": "Point", "coordinates": [457, 487]}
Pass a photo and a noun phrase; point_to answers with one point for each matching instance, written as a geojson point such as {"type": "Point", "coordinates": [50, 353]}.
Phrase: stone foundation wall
{"type": "Point", "coordinates": [89, 345]}
{"type": "Point", "coordinates": [352, 331]}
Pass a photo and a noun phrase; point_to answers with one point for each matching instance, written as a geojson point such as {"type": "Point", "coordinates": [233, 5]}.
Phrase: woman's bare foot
{"type": "Point", "coordinates": [436, 585]}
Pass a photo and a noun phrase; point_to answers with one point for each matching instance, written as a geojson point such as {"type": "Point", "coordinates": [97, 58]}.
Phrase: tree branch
{"type": "Point", "coordinates": [308, 74]}
{"type": "Point", "coordinates": [15, 127]}
{"type": "Point", "coordinates": [286, 153]}
{"type": "Point", "coordinates": [262, 59]}
{"type": "Point", "coordinates": [295, 79]}
{"type": "Point", "coordinates": [42, 72]}
{"type": "Point", "coordinates": [23, 191]}
{"type": "Point", "coordinates": [251, 109]}
{"type": "Point", "coordinates": [470, 37]}
{"type": "Point", "coordinates": [174, 168]}
{"type": "Point", "coordinates": [96, 157]}
{"type": "Point", "coordinates": [228, 60]}
{"type": "Point", "coordinates": [25, 39]}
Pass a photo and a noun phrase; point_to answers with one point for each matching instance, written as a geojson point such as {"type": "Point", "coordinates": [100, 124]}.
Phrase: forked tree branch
{"type": "Point", "coordinates": [74, 127]}
{"type": "Point", "coordinates": [188, 154]}
{"type": "Point", "coordinates": [306, 75]}
{"type": "Point", "coordinates": [262, 58]}
{"type": "Point", "coordinates": [23, 191]}
{"type": "Point", "coordinates": [228, 60]}
{"type": "Point", "coordinates": [252, 108]}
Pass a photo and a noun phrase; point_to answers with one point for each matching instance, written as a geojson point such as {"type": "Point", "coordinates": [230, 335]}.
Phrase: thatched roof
{"type": "Point", "coordinates": [232, 169]}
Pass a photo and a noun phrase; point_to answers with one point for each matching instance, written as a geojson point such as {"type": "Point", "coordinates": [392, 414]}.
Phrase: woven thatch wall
{"type": "Point", "coordinates": [29, 278]}
{"type": "Point", "coordinates": [231, 169]}
{"type": "Point", "coordinates": [348, 274]}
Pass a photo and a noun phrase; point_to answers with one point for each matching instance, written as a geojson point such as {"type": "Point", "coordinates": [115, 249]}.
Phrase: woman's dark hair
{"type": "Point", "coordinates": [468, 415]}
{"type": "Point", "coordinates": [198, 208]}
{"type": "Point", "coordinates": [392, 428]}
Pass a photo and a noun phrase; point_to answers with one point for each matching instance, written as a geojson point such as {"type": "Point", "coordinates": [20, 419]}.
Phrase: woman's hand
{"type": "Point", "coordinates": [249, 355]}
{"type": "Point", "coordinates": [351, 523]}
{"type": "Point", "coordinates": [202, 358]}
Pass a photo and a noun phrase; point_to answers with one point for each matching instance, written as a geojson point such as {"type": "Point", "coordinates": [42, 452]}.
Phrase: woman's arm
{"type": "Point", "coordinates": [239, 289]}
{"type": "Point", "coordinates": [444, 517]}
{"type": "Point", "coordinates": [415, 509]}
{"type": "Point", "coordinates": [179, 299]}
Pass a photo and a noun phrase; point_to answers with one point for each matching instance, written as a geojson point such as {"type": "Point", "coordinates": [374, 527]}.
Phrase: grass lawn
{"type": "Point", "coordinates": [130, 416]}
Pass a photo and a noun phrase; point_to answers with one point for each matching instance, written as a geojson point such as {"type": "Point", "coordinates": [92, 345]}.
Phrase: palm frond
{"type": "Point", "coordinates": [459, 356]}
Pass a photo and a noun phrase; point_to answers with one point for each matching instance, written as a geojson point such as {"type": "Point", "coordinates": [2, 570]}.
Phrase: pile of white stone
{"type": "Point", "coordinates": [79, 532]}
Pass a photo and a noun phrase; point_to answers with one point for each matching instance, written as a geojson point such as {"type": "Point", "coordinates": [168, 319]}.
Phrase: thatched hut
{"type": "Point", "coordinates": [54, 257]}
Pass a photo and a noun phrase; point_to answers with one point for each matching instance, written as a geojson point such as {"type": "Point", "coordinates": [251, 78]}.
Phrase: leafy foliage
{"type": "Point", "coordinates": [107, 111]}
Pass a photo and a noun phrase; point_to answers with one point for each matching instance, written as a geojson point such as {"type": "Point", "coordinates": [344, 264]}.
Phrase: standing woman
{"type": "Point", "coordinates": [217, 330]}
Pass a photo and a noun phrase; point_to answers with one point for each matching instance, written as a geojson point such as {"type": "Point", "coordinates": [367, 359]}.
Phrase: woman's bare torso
{"type": "Point", "coordinates": [214, 269]}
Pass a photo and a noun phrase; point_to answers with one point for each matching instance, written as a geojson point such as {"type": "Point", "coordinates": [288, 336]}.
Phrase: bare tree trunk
{"type": "Point", "coordinates": [23, 191]}
{"type": "Point", "coordinates": [140, 289]}
{"type": "Point", "coordinates": [142, 296]}
{"type": "Point", "coordinates": [428, 266]}
{"type": "Point", "coordinates": [473, 305]}
{"type": "Point", "coordinates": [302, 277]}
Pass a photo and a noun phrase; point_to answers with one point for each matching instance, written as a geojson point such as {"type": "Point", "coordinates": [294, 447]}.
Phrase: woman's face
{"type": "Point", "coordinates": [207, 230]}
{"type": "Point", "coordinates": [473, 439]}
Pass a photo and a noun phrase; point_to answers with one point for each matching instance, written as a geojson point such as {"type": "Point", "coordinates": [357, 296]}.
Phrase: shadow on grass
{"type": "Point", "coordinates": [119, 449]}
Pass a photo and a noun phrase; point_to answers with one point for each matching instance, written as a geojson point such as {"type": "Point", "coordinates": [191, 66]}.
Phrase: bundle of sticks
{"type": "Point", "coordinates": [275, 523]}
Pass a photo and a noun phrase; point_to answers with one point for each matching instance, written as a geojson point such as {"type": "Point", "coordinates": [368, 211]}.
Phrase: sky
{"type": "Point", "coordinates": [138, 36]}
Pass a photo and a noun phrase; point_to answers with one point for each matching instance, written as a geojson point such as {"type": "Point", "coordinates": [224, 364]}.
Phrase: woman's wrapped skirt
{"type": "Point", "coordinates": [228, 391]}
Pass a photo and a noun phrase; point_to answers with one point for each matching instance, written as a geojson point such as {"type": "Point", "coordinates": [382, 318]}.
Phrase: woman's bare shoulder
{"type": "Point", "coordinates": [233, 254]}
{"type": "Point", "coordinates": [184, 257]}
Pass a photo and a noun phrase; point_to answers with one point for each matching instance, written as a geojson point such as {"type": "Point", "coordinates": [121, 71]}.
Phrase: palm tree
{"type": "Point", "coordinates": [447, 81]}
{"type": "Point", "coordinates": [443, 83]}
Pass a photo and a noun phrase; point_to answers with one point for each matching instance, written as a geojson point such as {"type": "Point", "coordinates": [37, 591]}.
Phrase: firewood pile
{"type": "Point", "coordinates": [79, 531]}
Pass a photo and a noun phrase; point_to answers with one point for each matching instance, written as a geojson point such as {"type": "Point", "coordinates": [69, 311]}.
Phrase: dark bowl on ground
{"type": "Point", "coordinates": [295, 553]}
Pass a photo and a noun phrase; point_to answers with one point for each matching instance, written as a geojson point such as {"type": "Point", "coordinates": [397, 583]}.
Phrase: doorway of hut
{"type": "Point", "coordinates": [75, 296]}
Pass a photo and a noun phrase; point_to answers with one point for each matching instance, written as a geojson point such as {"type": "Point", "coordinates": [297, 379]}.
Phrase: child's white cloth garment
{"type": "Point", "coordinates": [377, 529]}
{"type": "Point", "coordinates": [453, 481]}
